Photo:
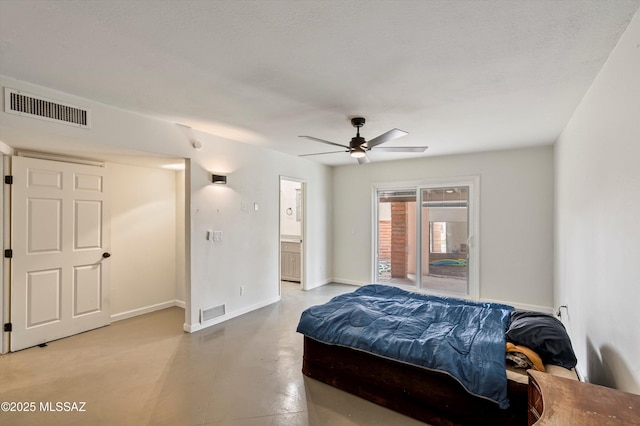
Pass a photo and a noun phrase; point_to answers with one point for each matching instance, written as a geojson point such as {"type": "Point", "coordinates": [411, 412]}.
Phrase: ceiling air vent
{"type": "Point", "coordinates": [28, 105]}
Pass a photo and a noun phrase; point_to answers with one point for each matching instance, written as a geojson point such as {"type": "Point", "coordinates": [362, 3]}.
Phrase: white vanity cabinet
{"type": "Point", "coordinates": [290, 261]}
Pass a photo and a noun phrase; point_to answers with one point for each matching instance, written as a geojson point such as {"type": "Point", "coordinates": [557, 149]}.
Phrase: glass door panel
{"type": "Point", "coordinates": [396, 239]}
{"type": "Point", "coordinates": [444, 239]}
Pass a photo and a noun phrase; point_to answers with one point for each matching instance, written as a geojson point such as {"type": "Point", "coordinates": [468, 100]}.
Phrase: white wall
{"type": "Point", "coordinates": [597, 221]}
{"type": "Point", "coordinates": [249, 253]}
{"type": "Point", "coordinates": [516, 219]}
{"type": "Point", "coordinates": [143, 239]}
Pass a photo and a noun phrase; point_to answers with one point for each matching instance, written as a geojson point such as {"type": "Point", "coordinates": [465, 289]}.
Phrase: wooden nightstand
{"type": "Point", "coordinates": [563, 402]}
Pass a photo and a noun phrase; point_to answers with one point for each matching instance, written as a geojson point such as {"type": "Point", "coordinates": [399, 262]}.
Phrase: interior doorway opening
{"type": "Point", "coordinates": [292, 226]}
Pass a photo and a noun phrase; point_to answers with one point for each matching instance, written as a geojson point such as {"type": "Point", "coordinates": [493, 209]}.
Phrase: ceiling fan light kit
{"type": "Point", "coordinates": [358, 152]}
{"type": "Point", "coordinates": [358, 146]}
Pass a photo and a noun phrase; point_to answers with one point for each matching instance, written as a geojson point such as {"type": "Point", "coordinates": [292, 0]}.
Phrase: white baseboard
{"type": "Point", "coordinates": [145, 310]}
{"type": "Point", "coordinates": [317, 284]}
{"type": "Point", "coordinates": [349, 282]}
{"type": "Point", "coordinates": [523, 306]}
{"type": "Point", "coordinates": [191, 328]}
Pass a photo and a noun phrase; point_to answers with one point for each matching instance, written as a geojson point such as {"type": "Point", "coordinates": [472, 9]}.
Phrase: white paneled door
{"type": "Point", "coordinates": [60, 263]}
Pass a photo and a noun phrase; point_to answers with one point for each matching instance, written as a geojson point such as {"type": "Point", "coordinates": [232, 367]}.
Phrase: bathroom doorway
{"type": "Point", "coordinates": [292, 217]}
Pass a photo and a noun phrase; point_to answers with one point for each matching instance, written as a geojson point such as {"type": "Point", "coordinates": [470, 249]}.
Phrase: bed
{"type": "Point", "coordinates": [437, 359]}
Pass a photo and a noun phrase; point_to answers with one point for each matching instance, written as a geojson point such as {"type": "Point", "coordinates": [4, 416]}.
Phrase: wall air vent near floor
{"type": "Point", "coordinates": [211, 313]}
{"type": "Point", "coordinates": [34, 106]}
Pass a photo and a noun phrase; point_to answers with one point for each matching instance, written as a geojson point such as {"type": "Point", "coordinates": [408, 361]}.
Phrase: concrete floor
{"type": "Point", "coordinates": [147, 371]}
{"type": "Point", "coordinates": [452, 285]}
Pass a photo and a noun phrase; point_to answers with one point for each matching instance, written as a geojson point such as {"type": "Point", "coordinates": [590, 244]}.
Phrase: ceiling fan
{"type": "Point", "coordinates": [358, 146]}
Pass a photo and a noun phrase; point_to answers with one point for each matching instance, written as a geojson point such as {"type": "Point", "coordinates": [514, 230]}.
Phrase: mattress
{"type": "Point", "coordinates": [460, 338]}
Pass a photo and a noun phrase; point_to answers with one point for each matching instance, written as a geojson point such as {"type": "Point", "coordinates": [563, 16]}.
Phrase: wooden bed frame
{"type": "Point", "coordinates": [429, 396]}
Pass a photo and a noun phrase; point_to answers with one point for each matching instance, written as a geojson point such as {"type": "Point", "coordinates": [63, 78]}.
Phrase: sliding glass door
{"type": "Point", "coordinates": [424, 237]}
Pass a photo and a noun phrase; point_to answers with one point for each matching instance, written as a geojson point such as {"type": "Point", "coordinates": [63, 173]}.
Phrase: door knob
{"type": "Point", "coordinates": [106, 255]}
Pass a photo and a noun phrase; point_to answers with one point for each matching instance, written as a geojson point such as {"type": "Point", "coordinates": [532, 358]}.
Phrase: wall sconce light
{"type": "Point", "coordinates": [219, 179]}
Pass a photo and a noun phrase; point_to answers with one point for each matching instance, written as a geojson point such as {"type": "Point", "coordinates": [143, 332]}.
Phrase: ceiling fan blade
{"type": "Point", "coordinates": [320, 153]}
{"type": "Point", "coordinates": [323, 141]}
{"type": "Point", "coordinates": [386, 137]}
{"type": "Point", "coordinates": [400, 148]}
{"type": "Point", "coordinates": [363, 160]}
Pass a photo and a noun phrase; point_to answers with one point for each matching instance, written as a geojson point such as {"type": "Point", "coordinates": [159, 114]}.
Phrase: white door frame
{"type": "Point", "coordinates": [303, 245]}
{"type": "Point", "coordinates": [4, 275]}
{"type": "Point", "coordinates": [5, 207]}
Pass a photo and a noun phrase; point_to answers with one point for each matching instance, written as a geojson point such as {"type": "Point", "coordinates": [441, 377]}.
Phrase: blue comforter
{"type": "Point", "coordinates": [461, 338]}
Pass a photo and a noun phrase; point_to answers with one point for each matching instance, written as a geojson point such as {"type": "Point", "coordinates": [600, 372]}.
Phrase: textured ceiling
{"type": "Point", "coordinates": [459, 76]}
